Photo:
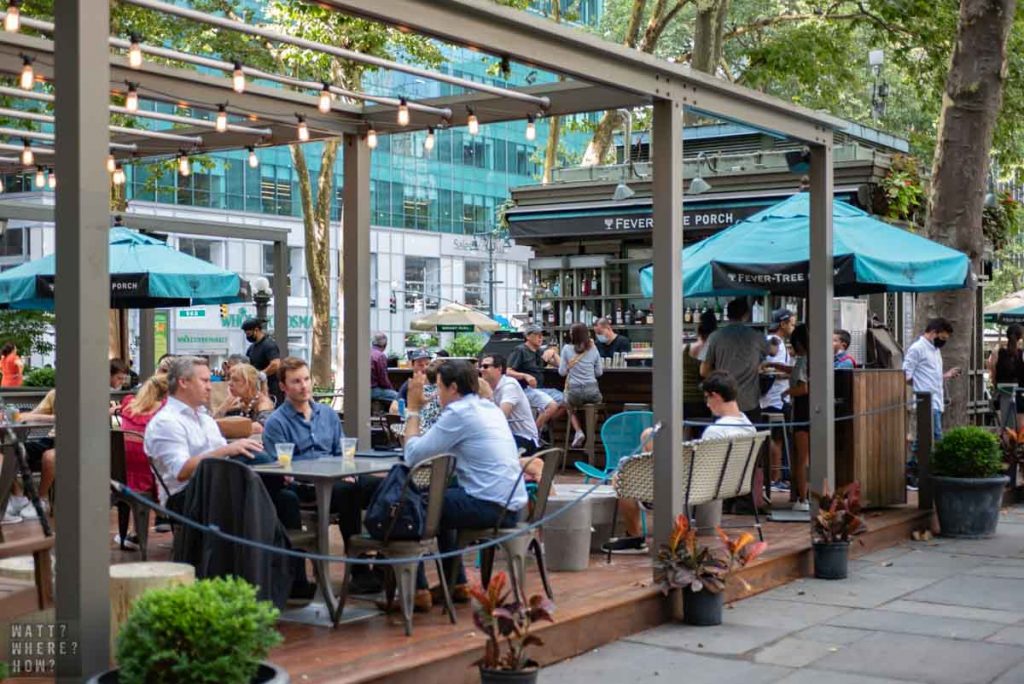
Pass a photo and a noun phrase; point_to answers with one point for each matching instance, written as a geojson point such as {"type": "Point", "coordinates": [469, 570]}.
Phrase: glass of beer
{"type": "Point", "coordinates": [348, 449]}
{"type": "Point", "coordinates": [284, 454]}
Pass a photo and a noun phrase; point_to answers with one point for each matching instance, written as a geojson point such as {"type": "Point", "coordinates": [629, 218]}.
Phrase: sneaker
{"type": "Point", "coordinates": [460, 594]}
{"type": "Point", "coordinates": [11, 518]}
{"type": "Point", "coordinates": [163, 525]}
{"type": "Point", "coordinates": [11, 515]}
{"type": "Point", "coordinates": [17, 503]}
{"type": "Point", "coordinates": [780, 486]}
{"type": "Point", "coordinates": [130, 543]}
{"type": "Point", "coordinates": [579, 440]}
{"type": "Point", "coordinates": [624, 545]}
{"type": "Point", "coordinates": [801, 506]}
{"type": "Point", "coordinates": [28, 511]}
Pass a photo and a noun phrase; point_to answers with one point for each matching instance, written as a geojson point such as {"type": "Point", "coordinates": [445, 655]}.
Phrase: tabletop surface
{"type": "Point", "coordinates": [330, 468]}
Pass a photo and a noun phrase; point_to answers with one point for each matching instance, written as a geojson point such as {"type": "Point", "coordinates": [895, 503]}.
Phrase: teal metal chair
{"type": "Point", "coordinates": [620, 436]}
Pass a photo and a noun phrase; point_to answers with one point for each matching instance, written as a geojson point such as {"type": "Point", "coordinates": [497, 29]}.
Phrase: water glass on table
{"type": "Point", "coordinates": [284, 454]}
{"type": "Point", "coordinates": [348, 449]}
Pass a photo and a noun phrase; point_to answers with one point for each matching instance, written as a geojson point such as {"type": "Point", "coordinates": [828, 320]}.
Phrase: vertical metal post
{"type": "Point", "coordinates": [147, 343]}
{"type": "Point", "coordinates": [924, 449]}
{"type": "Point", "coordinates": [819, 320]}
{"type": "Point", "coordinates": [82, 299]}
{"type": "Point", "coordinates": [356, 281]}
{"type": "Point", "coordinates": [279, 285]}
{"type": "Point", "coordinates": [667, 384]}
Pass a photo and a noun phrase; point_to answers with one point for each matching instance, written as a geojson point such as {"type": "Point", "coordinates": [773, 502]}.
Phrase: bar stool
{"type": "Point", "coordinates": [589, 429]}
{"type": "Point", "coordinates": [776, 418]}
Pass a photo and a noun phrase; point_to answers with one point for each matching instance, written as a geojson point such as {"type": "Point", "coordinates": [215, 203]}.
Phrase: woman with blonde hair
{"type": "Point", "coordinates": [136, 412]}
{"type": "Point", "coordinates": [247, 396]}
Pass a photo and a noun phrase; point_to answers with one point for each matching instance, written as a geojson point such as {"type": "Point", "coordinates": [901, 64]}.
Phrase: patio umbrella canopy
{"type": "Point", "coordinates": [144, 273]}
{"type": "Point", "coordinates": [456, 318]}
{"type": "Point", "coordinates": [769, 253]}
{"type": "Point", "coordinates": [1009, 309]}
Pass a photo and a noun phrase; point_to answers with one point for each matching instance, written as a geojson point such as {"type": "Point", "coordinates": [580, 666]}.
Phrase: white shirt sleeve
{"type": "Point", "coordinates": [167, 444]}
{"type": "Point", "coordinates": [911, 360]}
{"type": "Point", "coordinates": [441, 438]}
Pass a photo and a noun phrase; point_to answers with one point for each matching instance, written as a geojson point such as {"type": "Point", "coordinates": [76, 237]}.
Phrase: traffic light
{"type": "Point", "coordinates": [393, 304]}
{"type": "Point", "coordinates": [223, 311]}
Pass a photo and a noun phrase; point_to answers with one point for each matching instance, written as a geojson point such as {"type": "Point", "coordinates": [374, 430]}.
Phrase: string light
{"type": "Point", "coordinates": [303, 128]}
{"type": "Point", "coordinates": [51, 180]}
{"type": "Point", "coordinates": [238, 79]}
{"type": "Point", "coordinates": [135, 52]}
{"type": "Point", "coordinates": [111, 164]}
{"type": "Point", "coordinates": [254, 161]}
{"type": "Point", "coordinates": [119, 177]}
{"type": "Point", "coordinates": [472, 122]}
{"type": "Point", "coordinates": [12, 21]}
{"type": "Point", "coordinates": [1, 184]}
{"type": "Point", "coordinates": [324, 105]}
{"type": "Point", "coordinates": [531, 128]}
{"type": "Point", "coordinates": [131, 100]}
{"type": "Point", "coordinates": [403, 112]}
{"type": "Point", "coordinates": [40, 177]}
{"type": "Point", "coordinates": [184, 165]}
{"type": "Point", "coordinates": [222, 119]}
{"type": "Point", "coordinates": [26, 154]}
{"type": "Point", "coordinates": [428, 142]}
{"type": "Point", "coordinates": [28, 77]}
{"type": "Point", "coordinates": [371, 139]}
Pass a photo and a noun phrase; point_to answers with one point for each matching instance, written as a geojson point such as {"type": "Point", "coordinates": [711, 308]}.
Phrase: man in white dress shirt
{"type": "Point", "coordinates": [182, 433]}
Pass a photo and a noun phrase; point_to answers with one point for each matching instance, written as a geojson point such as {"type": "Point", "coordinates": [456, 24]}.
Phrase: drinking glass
{"type": "Point", "coordinates": [284, 453]}
{"type": "Point", "coordinates": [348, 449]}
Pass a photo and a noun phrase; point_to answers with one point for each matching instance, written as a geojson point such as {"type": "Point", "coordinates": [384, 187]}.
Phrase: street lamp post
{"type": "Point", "coordinates": [494, 241]}
{"type": "Point", "coordinates": [261, 296]}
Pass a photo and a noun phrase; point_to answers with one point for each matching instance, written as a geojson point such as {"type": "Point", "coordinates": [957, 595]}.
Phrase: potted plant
{"type": "Point", "coordinates": [968, 474]}
{"type": "Point", "coordinates": [695, 574]}
{"type": "Point", "coordinates": [509, 621]}
{"type": "Point", "coordinates": [838, 520]}
{"type": "Point", "coordinates": [214, 630]}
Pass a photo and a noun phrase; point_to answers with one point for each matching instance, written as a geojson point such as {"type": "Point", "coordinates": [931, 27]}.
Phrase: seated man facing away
{"type": "Point", "coordinates": [510, 398]}
{"type": "Point", "coordinates": [316, 432]}
{"type": "Point", "coordinates": [720, 394]}
{"type": "Point", "coordinates": [475, 431]}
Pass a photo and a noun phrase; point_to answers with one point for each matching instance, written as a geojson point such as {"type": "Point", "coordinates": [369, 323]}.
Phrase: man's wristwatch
{"type": "Point", "coordinates": [411, 414]}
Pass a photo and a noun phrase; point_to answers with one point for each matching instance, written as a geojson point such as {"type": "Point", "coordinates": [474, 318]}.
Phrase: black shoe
{"type": "Point", "coordinates": [625, 545]}
{"type": "Point", "coordinates": [163, 525]}
{"type": "Point", "coordinates": [365, 581]}
{"type": "Point", "coordinates": [302, 590]}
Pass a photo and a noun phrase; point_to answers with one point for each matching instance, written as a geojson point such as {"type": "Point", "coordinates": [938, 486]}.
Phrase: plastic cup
{"type": "Point", "coordinates": [284, 453]}
{"type": "Point", "coordinates": [348, 448]}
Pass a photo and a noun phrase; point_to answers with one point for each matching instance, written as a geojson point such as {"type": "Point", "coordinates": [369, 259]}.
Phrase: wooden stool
{"type": "Point", "coordinates": [589, 429]}
{"type": "Point", "coordinates": [128, 581]}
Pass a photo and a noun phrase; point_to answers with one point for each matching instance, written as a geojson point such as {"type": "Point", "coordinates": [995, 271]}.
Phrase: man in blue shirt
{"type": "Point", "coordinates": [840, 344]}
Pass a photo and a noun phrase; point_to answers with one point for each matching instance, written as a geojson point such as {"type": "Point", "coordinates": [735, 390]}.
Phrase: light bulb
{"type": "Point", "coordinates": [253, 159]}
{"type": "Point", "coordinates": [2, 185]}
{"type": "Point", "coordinates": [324, 105]}
{"type": "Point", "coordinates": [403, 112]}
{"type": "Point", "coordinates": [238, 79]}
{"type": "Point", "coordinates": [40, 177]}
{"type": "Point", "coordinates": [531, 128]}
{"type": "Point", "coordinates": [111, 164]}
{"type": "Point", "coordinates": [26, 154]}
{"type": "Point", "coordinates": [131, 100]}
{"type": "Point", "coordinates": [184, 165]}
{"type": "Point", "coordinates": [222, 119]}
{"type": "Point", "coordinates": [474, 125]}
{"type": "Point", "coordinates": [428, 142]}
{"type": "Point", "coordinates": [303, 129]}
{"type": "Point", "coordinates": [371, 139]}
{"type": "Point", "coordinates": [28, 77]}
{"type": "Point", "coordinates": [12, 21]}
{"type": "Point", "coordinates": [119, 177]}
{"type": "Point", "coordinates": [51, 180]}
{"type": "Point", "coordinates": [135, 53]}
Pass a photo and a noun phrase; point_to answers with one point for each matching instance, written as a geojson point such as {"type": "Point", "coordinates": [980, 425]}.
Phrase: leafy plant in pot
{"type": "Point", "coordinates": [213, 631]}
{"type": "Point", "coordinates": [838, 520]}
{"type": "Point", "coordinates": [694, 574]}
{"type": "Point", "coordinates": [968, 475]}
{"type": "Point", "coordinates": [510, 621]}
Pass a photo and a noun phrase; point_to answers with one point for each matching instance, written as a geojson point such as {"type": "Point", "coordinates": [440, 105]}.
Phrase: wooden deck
{"type": "Point", "coordinates": [594, 607]}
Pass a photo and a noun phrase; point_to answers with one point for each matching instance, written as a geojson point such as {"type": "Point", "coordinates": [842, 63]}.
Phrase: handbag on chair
{"type": "Point", "coordinates": [398, 509]}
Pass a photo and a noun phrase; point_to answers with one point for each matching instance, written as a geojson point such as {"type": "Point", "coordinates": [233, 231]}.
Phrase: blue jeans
{"type": "Point", "coordinates": [462, 511]}
{"type": "Point", "coordinates": [381, 394]}
{"type": "Point", "coordinates": [936, 435]}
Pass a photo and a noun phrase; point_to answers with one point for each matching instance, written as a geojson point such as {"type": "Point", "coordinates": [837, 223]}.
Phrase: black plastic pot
{"type": "Point", "coordinates": [702, 608]}
{"type": "Point", "coordinates": [269, 673]}
{"type": "Point", "coordinates": [968, 507]}
{"type": "Point", "coordinates": [831, 561]}
{"type": "Point", "coordinates": [527, 676]}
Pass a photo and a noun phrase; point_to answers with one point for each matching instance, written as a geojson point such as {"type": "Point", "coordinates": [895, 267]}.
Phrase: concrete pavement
{"type": "Point", "coordinates": [942, 612]}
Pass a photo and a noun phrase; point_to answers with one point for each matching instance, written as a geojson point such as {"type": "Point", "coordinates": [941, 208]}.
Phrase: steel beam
{"type": "Point", "coordinates": [147, 343]}
{"type": "Point", "coordinates": [82, 300]}
{"type": "Point", "coordinates": [279, 284]}
{"type": "Point", "coordinates": [667, 382]}
{"type": "Point", "coordinates": [819, 320]}
{"type": "Point", "coordinates": [355, 281]}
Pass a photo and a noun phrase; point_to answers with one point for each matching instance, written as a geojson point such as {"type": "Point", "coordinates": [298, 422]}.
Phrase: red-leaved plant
{"type": "Point", "coordinates": [501, 619]}
{"type": "Point", "coordinates": [838, 516]}
{"type": "Point", "coordinates": [686, 563]}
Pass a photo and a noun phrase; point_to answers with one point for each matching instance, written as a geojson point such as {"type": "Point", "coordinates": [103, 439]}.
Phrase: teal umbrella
{"type": "Point", "coordinates": [144, 273]}
{"type": "Point", "coordinates": [768, 253]}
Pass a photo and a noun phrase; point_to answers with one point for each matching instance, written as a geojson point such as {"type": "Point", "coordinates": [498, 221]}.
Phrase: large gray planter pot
{"type": "Point", "coordinates": [269, 673]}
{"type": "Point", "coordinates": [968, 507]}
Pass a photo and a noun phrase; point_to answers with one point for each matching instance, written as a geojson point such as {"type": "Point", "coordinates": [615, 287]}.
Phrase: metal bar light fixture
{"type": "Point", "coordinates": [12, 19]}
{"type": "Point", "coordinates": [471, 121]}
{"type": "Point", "coordinates": [28, 77]}
{"type": "Point", "coordinates": [531, 127]}
{"type": "Point", "coordinates": [184, 164]}
{"type": "Point", "coordinates": [371, 139]}
{"type": "Point", "coordinates": [27, 157]}
{"type": "Point", "coordinates": [254, 161]}
{"type": "Point", "coordinates": [428, 142]}
{"type": "Point", "coordinates": [222, 119]}
{"type": "Point", "coordinates": [302, 129]}
{"type": "Point", "coordinates": [135, 51]}
{"type": "Point", "coordinates": [403, 112]}
{"type": "Point", "coordinates": [131, 100]}
{"type": "Point", "coordinates": [238, 78]}
{"type": "Point", "coordinates": [324, 103]}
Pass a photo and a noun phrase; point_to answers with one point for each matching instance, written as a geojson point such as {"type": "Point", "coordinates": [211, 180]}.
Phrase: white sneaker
{"type": "Point", "coordinates": [11, 518]}
{"type": "Point", "coordinates": [28, 511]}
{"type": "Point", "coordinates": [16, 503]}
{"type": "Point", "coordinates": [801, 506]}
{"type": "Point", "coordinates": [578, 440]}
{"type": "Point", "coordinates": [131, 543]}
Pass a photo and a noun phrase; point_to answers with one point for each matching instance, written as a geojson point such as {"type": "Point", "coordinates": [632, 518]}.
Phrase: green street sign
{"type": "Point", "coordinates": [192, 313]}
{"type": "Point", "coordinates": [456, 328]}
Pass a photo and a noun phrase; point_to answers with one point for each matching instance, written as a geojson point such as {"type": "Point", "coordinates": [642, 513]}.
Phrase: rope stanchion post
{"type": "Point", "coordinates": [925, 430]}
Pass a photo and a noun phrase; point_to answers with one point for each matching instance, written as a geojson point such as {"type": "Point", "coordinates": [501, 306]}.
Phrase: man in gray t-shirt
{"type": "Point", "coordinates": [512, 401]}
{"type": "Point", "coordinates": [739, 350]}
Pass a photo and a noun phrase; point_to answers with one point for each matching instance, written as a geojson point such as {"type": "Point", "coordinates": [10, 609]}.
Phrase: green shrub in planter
{"type": "Point", "coordinates": [40, 377]}
{"type": "Point", "coordinates": [968, 451]}
{"type": "Point", "coordinates": [212, 631]}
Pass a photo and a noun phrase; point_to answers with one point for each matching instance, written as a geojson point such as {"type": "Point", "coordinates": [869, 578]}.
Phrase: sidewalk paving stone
{"type": "Point", "coordinates": [725, 639]}
{"type": "Point", "coordinates": [1013, 635]}
{"type": "Point", "coordinates": [911, 623]}
{"type": "Point", "coordinates": [816, 677]}
{"type": "Point", "coordinates": [993, 593]}
{"type": "Point", "coordinates": [859, 591]}
{"type": "Point", "coordinates": [937, 609]}
{"type": "Point", "coordinates": [761, 611]}
{"type": "Point", "coordinates": [795, 652]}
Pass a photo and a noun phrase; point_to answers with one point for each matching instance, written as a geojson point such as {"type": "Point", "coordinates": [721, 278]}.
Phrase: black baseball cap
{"type": "Point", "coordinates": [252, 324]}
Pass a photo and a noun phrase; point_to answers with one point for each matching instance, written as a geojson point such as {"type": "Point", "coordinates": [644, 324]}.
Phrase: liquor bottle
{"type": "Point", "coordinates": [556, 289]}
{"type": "Point", "coordinates": [568, 285]}
{"type": "Point", "coordinates": [595, 284]}
{"type": "Point", "coordinates": [650, 315]}
{"type": "Point", "coordinates": [627, 317]}
{"type": "Point", "coordinates": [703, 307]}
{"type": "Point", "coordinates": [718, 310]}
{"type": "Point", "coordinates": [585, 285]}
{"type": "Point", "coordinates": [584, 315]}
{"type": "Point", "coordinates": [618, 314]}
{"type": "Point", "coordinates": [637, 320]}
{"type": "Point", "coordinates": [688, 316]}
{"type": "Point", "coordinates": [567, 318]}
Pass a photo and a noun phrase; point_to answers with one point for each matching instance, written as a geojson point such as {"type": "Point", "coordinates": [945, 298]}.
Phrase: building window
{"type": "Point", "coordinates": [422, 282]}
{"type": "Point", "coordinates": [13, 242]}
{"type": "Point", "coordinates": [476, 292]}
{"type": "Point", "coordinates": [207, 250]}
{"type": "Point", "coordinates": [373, 280]}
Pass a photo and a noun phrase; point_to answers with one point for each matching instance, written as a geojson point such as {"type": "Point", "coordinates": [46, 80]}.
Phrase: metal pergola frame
{"type": "Point", "coordinates": [601, 76]}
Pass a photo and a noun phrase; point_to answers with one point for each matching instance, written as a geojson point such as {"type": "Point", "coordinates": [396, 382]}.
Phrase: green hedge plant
{"type": "Point", "coordinates": [968, 451]}
{"type": "Point", "coordinates": [40, 377]}
{"type": "Point", "coordinates": [212, 631]}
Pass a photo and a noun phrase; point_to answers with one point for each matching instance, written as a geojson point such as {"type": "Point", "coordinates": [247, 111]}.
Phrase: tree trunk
{"type": "Point", "coordinates": [551, 149]}
{"type": "Point", "coordinates": [707, 35]}
{"type": "Point", "coordinates": [316, 222]}
{"type": "Point", "coordinates": [970, 104]}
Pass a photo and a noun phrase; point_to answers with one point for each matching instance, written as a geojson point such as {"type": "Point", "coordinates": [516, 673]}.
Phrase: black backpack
{"type": "Point", "coordinates": [398, 509]}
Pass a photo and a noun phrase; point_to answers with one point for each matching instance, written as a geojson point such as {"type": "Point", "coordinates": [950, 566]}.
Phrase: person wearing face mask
{"type": "Point", "coordinates": [264, 355]}
{"type": "Point", "coordinates": [922, 366]}
{"type": "Point", "coordinates": [608, 343]}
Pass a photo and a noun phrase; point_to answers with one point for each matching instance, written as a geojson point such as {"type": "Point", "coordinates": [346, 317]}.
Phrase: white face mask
{"type": "Point", "coordinates": [603, 339]}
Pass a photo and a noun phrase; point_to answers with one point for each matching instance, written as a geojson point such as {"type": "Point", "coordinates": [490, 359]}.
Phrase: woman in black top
{"type": "Point", "coordinates": [1006, 367]}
